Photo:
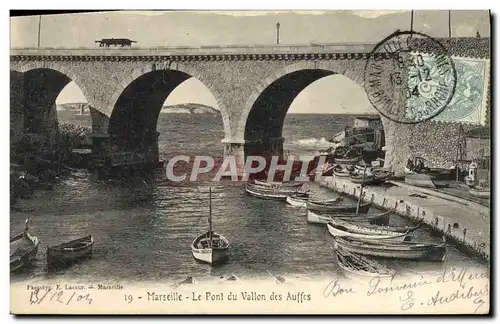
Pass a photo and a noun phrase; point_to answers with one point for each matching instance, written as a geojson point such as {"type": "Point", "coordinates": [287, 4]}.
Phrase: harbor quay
{"type": "Point", "coordinates": [462, 222]}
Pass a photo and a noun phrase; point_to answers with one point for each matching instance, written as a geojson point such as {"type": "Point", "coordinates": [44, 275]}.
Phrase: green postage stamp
{"type": "Point", "coordinates": [470, 97]}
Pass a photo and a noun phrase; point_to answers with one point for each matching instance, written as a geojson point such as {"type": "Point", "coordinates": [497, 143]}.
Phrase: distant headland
{"type": "Point", "coordinates": [187, 108]}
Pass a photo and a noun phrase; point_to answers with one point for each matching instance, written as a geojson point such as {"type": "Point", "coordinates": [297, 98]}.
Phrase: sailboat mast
{"type": "Point", "coordinates": [210, 216]}
{"type": "Point", "coordinates": [362, 185]}
{"type": "Point", "coordinates": [39, 25]}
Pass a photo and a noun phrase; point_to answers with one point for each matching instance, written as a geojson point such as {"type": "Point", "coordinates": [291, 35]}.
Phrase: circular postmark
{"type": "Point", "coordinates": [409, 77]}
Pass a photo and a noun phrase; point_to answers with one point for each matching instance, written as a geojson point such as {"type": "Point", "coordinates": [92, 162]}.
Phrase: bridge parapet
{"type": "Point", "coordinates": [201, 50]}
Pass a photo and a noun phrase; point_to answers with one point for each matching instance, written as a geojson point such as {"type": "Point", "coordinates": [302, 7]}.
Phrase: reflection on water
{"type": "Point", "coordinates": [143, 231]}
{"type": "Point", "coordinates": [143, 228]}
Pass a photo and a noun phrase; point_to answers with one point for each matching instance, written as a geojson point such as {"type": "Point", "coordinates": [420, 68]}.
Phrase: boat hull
{"type": "Point", "coordinates": [278, 194]}
{"type": "Point", "coordinates": [390, 250]}
{"type": "Point", "coordinates": [373, 229]}
{"type": "Point", "coordinates": [479, 193]}
{"type": "Point", "coordinates": [72, 250]}
{"type": "Point", "coordinates": [381, 219]}
{"type": "Point", "coordinates": [356, 272]}
{"type": "Point", "coordinates": [19, 262]}
{"type": "Point", "coordinates": [342, 174]}
{"type": "Point", "coordinates": [278, 184]}
{"type": "Point", "coordinates": [420, 180]}
{"type": "Point", "coordinates": [359, 180]}
{"type": "Point", "coordinates": [302, 202]}
{"type": "Point", "coordinates": [335, 231]}
{"type": "Point", "coordinates": [210, 254]}
{"type": "Point", "coordinates": [363, 208]}
{"type": "Point", "coordinates": [350, 161]}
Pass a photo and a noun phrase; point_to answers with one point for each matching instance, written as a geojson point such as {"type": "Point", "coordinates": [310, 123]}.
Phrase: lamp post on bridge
{"type": "Point", "coordinates": [39, 25]}
{"type": "Point", "coordinates": [278, 33]}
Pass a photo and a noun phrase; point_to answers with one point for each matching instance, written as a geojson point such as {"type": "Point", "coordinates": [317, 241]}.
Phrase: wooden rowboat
{"type": "Point", "coordinates": [381, 218]}
{"type": "Point", "coordinates": [394, 250]}
{"type": "Point", "coordinates": [358, 265]}
{"type": "Point", "coordinates": [381, 175]}
{"type": "Point", "coordinates": [24, 248]}
{"type": "Point", "coordinates": [70, 251]}
{"type": "Point", "coordinates": [347, 161]}
{"type": "Point", "coordinates": [210, 247]}
{"type": "Point", "coordinates": [358, 178]}
{"type": "Point", "coordinates": [274, 193]}
{"type": "Point", "coordinates": [373, 228]}
{"type": "Point", "coordinates": [419, 180]}
{"type": "Point", "coordinates": [301, 202]}
{"type": "Point", "coordinates": [340, 208]}
{"type": "Point", "coordinates": [339, 171]}
{"type": "Point", "coordinates": [339, 230]}
{"type": "Point", "coordinates": [480, 192]}
{"type": "Point", "coordinates": [278, 184]}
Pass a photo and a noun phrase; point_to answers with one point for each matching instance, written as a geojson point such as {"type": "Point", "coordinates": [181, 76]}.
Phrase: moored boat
{"type": "Point", "coordinates": [394, 250]}
{"type": "Point", "coordinates": [347, 161]}
{"type": "Point", "coordinates": [210, 247]}
{"type": "Point", "coordinates": [339, 171]}
{"type": "Point", "coordinates": [340, 208]}
{"type": "Point", "coordinates": [419, 180]}
{"type": "Point", "coordinates": [24, 248]}
{"type": "Point", "coordinates": [381, 175]}
{"type": "Point", "coordinates": [70, 251]}
{"type": "Point", "coordinates": [417, 174]}
{"type": "Point", "coordinates": [359, 178]}
{"type": "Point", "coordinates": [278, 184]}
{"type": "Point", "coordinates": [356, 264]}
{"type": "Point", "coordinates": [301, 202]}
{"type": "Point", "coordinates": [338, 137]}
{"type": "Point", "coordinates": [339, 230]}
{"type": "Point", "coordinates": [274, 193]}
{"type": "Point", "coordinates": [381, 218]}
{"type": "Point", "coordinates": [374, 228]}
{"type": "Point", "coordinates": [343, 155]}
{"type": "Point", "coordinates": [479, 192]}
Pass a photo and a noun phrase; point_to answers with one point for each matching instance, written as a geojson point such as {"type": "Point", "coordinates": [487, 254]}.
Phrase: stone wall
{"type": "Point", "coordinates": [16, 106]}
{"type": "Point", "coordinates": [434, 141]}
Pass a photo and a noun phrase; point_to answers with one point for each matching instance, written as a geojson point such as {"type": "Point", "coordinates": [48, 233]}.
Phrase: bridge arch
{"type": "Point", "coordinates": [260, 125]}
{"type": "Point", "coordinates": [66, 70]}
{"type": "Point", "coordinates": [277, 91]}
{"type": "Point", "coordinates": [39, 86]}
{"type": "Point", "coordinates": [173, 75]}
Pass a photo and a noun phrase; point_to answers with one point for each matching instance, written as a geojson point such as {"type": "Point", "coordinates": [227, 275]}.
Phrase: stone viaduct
{"type": "Point", "coordinates": [253, 85]}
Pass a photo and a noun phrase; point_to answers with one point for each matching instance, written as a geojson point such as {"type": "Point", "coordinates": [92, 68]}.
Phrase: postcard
{"type": "Point", "coordinates": [250, 162]}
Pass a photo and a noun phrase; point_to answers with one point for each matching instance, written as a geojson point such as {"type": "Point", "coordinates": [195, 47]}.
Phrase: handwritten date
{"type": "Point", "coordinates": [59, 296]}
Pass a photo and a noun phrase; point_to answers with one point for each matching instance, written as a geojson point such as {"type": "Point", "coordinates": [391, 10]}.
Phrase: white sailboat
{"type": "Point", "coordinates": [210, 247]}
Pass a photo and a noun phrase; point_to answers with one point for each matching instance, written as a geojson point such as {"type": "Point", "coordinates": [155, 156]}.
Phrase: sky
{"type": "Point", "coordinates": [195, 28]}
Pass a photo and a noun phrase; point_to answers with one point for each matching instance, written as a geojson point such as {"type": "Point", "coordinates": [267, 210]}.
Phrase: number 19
{"type": "Point", "coordinates": [129, 298]}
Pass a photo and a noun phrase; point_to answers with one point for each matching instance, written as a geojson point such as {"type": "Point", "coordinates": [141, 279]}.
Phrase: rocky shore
{"type": "Point", "coordinates": [37, 162]}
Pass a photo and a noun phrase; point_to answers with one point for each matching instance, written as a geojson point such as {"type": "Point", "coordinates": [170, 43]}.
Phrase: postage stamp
{"type": "Point", "coordinates": [201, 171]}
{"type": "Point", "coordinates": [469, 102]}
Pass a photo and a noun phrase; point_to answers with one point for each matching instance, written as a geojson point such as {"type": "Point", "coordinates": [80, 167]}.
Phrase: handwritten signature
{"type": "Point", "coordinates": [58, 296]}
{"type": "Point", "coordinates": [439, 298]}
